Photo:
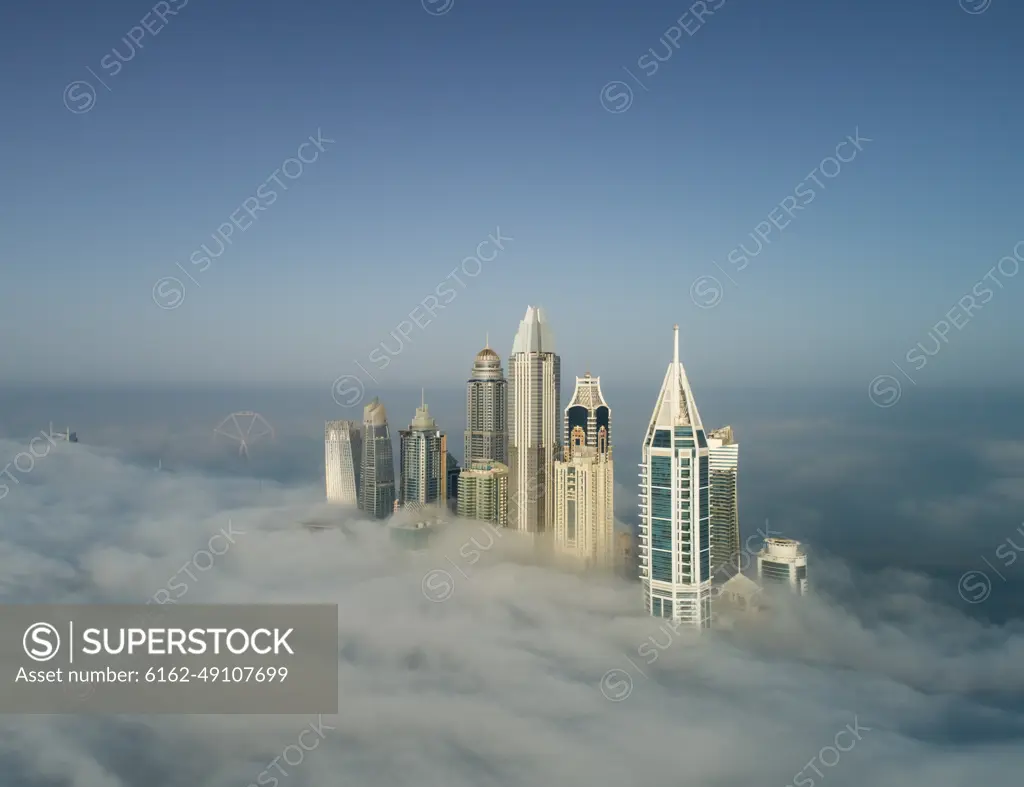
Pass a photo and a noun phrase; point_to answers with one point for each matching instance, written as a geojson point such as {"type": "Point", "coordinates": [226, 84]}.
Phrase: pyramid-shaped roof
{"type": "Point", "coordinates": [676, 404]}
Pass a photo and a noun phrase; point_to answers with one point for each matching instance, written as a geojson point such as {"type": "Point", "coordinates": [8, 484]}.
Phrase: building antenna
{"type": "Point", "coordinates": [676, 381]}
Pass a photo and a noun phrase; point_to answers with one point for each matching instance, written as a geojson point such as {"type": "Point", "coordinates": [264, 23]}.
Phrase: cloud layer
{"type": "Point", "coordinates": [507, 680]}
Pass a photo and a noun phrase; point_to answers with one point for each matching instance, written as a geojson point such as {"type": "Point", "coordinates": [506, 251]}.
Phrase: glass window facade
{"type": "Point", "coordinates": [661, 566]}
{"type": "Point", "coordinates": [661, 471]}
{"type": "Point", "coordinates": [661, 534]}
{"type": "Point", "coordinates": [775, 572]}
{"type": "Point", "coordinates": [661, 503]}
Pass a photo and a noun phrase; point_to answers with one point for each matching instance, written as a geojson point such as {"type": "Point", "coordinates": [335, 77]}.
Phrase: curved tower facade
{"type": "Point", "coordinates": [534, 407]}
{"type": "Point", "coordinates": [486, 438]}
{"type": "Point", "coordinates": [783, 561]}
{"type": "Point", "coordinates": [674, 547]}
{"type": "Point", "coordinates": [343, 455]}
{"type": "Point", "coordinates": [377, 491]}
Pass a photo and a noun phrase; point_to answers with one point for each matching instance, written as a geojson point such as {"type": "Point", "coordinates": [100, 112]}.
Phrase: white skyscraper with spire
{"type": "Point", "coordinates": [534, 412]}
{"type": "Point", "coordinates": [674, 547]}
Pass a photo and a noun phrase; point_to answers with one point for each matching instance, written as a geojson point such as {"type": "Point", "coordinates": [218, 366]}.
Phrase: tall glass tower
{"type": "Point", "coordinates": [423, 462]}
{"type": "Point", "coordinates": [534, 409]}
{"type": "Point", "coordinates": [675, 525]}
{"type": "Point", "coordinates": [486, 414]}
{"type": "Point", "coordinates": [342, 458]}
{"type": "Point", "coordinates": [377, 483]}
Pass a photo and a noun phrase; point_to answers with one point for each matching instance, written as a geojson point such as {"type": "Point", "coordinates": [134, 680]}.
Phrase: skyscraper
{"type": "Point", "coordinates": [584, 523]}
{"type": "Point", "coordinates": [377, 482]}
{"type": "Point", "coordinates": [534, 406]}
{"type": "Point", "coordinates": [452, 484]}
{"type": "Point", "coordinates": [675, 522]}
{"type": "Point", "coordinates": [424, 456]}
{"type": "Point", "coordinates": [343, 453]}
{"type": "Point", "coordinates": [724, 452]}
{"type": "Point", "coordinates": [783, 562]}
{"type": "Point", "coordinates": [588, 419]}
{"type": "Point", "coordinates": [486, 413]}
{"type": "Point", "coordinates": [483, 492]}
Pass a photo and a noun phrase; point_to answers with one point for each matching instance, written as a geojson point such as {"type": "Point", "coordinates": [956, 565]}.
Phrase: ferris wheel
{"type": "Point", "coordinates": [245, 428]}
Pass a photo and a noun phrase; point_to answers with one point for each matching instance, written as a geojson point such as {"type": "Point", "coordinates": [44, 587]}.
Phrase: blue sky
{"type": "Point", "coordinates": [489, 116]}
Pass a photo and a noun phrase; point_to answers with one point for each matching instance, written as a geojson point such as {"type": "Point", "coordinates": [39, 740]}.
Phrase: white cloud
{"type": "Point", "coordinates": [499, 684]}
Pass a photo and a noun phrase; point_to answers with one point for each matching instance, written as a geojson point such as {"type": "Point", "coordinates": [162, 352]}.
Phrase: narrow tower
{"type": "Point", "coordinates": [725, 521]}
{"type": "Point", "coordinates": [424, 457]}
{"type": "Point", "coordinates": [378, 466]}
{"type": "Point", "coordinates": [534, 405]}
{"type": "Point", "coordinates": [486, 438]}
{"type": "Point", "coordinates": [343, 454]}
{"type": "Point", "coordinates": [675, 542]}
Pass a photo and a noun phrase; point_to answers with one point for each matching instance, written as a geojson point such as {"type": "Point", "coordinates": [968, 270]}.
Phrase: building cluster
{"type": "Point", "coordinates": [548, 473]}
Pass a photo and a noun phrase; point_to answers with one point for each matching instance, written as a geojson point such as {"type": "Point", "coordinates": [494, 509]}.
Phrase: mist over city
{"type": "Point", "coordinates": [580, 394]}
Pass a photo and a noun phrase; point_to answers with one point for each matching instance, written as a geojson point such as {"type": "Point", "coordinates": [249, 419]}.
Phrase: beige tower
{"type": "Point", "coordinates": [534, 385]}
{"type": "Point", "coordinates": [584, 521]}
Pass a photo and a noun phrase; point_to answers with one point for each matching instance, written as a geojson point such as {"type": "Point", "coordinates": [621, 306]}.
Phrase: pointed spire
{"type": "Point", "coordinates": [423, 398]}
{"type": "Point", "coordinates": [487, 340]}
{"type": "Point", "coordinates": [675, 373]}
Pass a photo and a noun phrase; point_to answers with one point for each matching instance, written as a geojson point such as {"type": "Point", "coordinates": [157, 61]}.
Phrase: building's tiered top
{"type": "Point", "coordinates": [588, 393]}
{"type": "Point", "coordinates": [782, 549]}
{"type": "Point", "coordinates": [487, 364]}
{"type": "Point", "coordinates": [676, 404]}
{"type": "Point", "coordinates": [335, 428]}
{"type": "Point", "coordinates": [534, 335]}
{"type": "Point", "coordinates": [374, 413]}
{"type": "Point", "coordinates": [422, 421]}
